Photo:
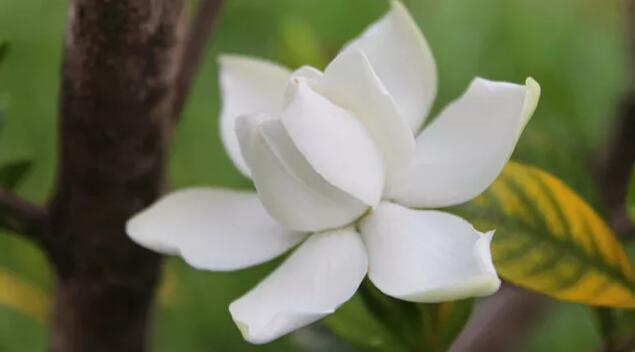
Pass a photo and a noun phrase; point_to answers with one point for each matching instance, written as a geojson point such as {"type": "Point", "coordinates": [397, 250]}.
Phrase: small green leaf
{"type": "Point", "coordinates": [353, 323]}
{"type": "Point", "coordinates": [373, 321]}
{"type": "Point", "coordinates": [402, 319]}
{"type": "Point", "coordinates": [12, 173]}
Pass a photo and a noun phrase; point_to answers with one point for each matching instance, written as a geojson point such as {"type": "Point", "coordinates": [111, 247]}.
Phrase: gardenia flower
{"type": "Point", "coordinates": [338, 172]}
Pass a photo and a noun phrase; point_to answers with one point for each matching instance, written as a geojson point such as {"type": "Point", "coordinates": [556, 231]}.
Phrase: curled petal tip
{"type": "Point", "coordinates": [531, 101]}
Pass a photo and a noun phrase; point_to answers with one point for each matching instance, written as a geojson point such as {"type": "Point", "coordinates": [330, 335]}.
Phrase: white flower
{"type": "Point", "coordinates": [337, 167]}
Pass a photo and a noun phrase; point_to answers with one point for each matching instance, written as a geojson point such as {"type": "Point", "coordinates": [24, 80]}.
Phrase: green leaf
{"type": "Point", "coordinates": [622, 320]}
{"type": "Point", "coordinates": [19, 332]}
{"type": "Point", "coordinates": [4, 50]}
{"type": "Point", "coordinates": [400, 318]}
{"type": "Point", "coordinates": [564, 327]}
{"type": "Point", "coordinates": [630, 197]}
{"type": "Point", "coordinates": [442, 322]}
{"type": "Point", "coordinates": [605, 322]}
{"type": "Point", "coordinates": [12, 173]}
{"type": "Point", "coordinates": [23, 296]}
{"type": "Point", "coordinates": [373, 321]}
{"type": "Point", "coordinates": [353, 323]}
{"type": "Point", "coordinates": [550, 240]}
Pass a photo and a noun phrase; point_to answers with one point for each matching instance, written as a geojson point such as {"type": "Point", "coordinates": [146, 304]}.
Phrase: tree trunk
{"type": "Point", "coordinates": [116, 101]}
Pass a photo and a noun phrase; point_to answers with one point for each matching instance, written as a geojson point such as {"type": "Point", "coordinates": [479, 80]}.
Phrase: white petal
{"type": "Point", "coordinates": [309, 73]}
{"type": "Point", "coordinates": [400, 55]}
{"type": "Point", "coordinates": [322, 274]}
{"type": "Point", "coordinates": [462, 152]}
{"type": "Point", "coordinates": [291, 190]}
{"type": "Point", "coordinates": [335, 143]}
{"type": "Point", "coordinates": [248, 85]}
{"type": "Point", "coordinates": [212, 229]}
{"type": "Point", "coordinates": [427, 256]}
{"type": "Point", "coordinates": [350, 82]}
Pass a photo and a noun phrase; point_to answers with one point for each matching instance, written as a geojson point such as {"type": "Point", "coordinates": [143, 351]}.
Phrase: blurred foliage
{"type": "Point", "coordinates": [399, 318]}
{"type": "Point", "coordinates": [12, 173]}
{"type": "Point", "coordinates": [16, 293]}
{"type": "Point", "coordinates": [374, 322]}
{"type": "Point", "coordinates": [355, 324]}
{"type": "Point", "coordinates": [550, 240]}
{"type": "Point", "coordinates": [574, 48]}
{"type": "Point", "coordinates": [299, 45]}
{"type": "Point", "coordinates": [444, 321]}
{"type": "Point", "coordinates": [23, 296]}
{"type": "Point", "coordinates": [630, 197]}
{"type": "Point", "coordinates": [4, 50]}
{"type": "Point", "coordinates": [568, 327]}
{"type": "Point", "coordinates": [617, 325]}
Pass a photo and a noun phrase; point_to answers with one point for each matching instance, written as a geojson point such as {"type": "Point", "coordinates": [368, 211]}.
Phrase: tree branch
{"type": "Point", "coordinates": [614, 171]}
{"type": "Point", "coordinates": [616, 164]}
{"type": "Point", "coordinates": [201, 29]}
{"type": "Point", "coordinates": [21, 217]}
{"type": "Point", "coordinates": [627, 345]}
{"type": "Point", "coordinates": [119, 66]}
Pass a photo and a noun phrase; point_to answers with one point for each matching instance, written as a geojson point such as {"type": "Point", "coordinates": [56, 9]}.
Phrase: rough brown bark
{"type": "Point", "coordinates": [120, 63]}
{"type": "Point", "coordinates": [125, 76]}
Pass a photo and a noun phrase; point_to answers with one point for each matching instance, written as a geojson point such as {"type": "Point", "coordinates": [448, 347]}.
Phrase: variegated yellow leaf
{"type": "Point", "coordinates": [550, 240]}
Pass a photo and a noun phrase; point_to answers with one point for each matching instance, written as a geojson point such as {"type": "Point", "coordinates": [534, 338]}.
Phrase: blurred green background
{"type": "Point", "coordinates": [576, 49]}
